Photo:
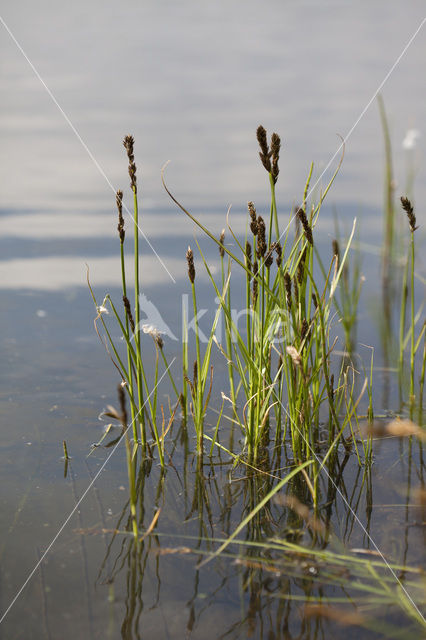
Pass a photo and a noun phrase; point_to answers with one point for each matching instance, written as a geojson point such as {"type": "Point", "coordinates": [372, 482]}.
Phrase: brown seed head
{"type": "Point", "coordinates": [336, 250]}
{"type": "Point", "coordinates": [287, 284]}
{"type": "Point", "coordinates": [408, 208]}
{"type": "Point", "coordinates": [301, 267]}
{"type": "Point", "coordinates": [222, 240]}
{"type": "Point", "coordinates": [128, 144]}
{"type": "Point", "coordinates": [305, 224]}
{"type": "Point", "coordinates": [296, 289]}
{"type": "Point", "coordinates": [253, 217]}
{"type": "Point", "coordinates": [304, 329]}
{"type": "Point", "coordinates": [120, 226]}
{"type": "Point", "coordinates": [261, 238]}
{"type": "Point", "coordinates": [252, 211]}
{"type": "Point", "coordinates": [275, 151]}
{"type": "Point", "coordinates": [248, 255]}
{"type": "Point", "coordinates": [262, 139]}
{"type": "Point", "coordinates": [191, 268]}
{"type": "Point", "coordinates": [129, 312]}
{"type": "Point", "coordinates": [279, 252]}
{"type": "Point", "coordinates": [264, 154]}
{"type": "Point", "coordinates": [269, 258]}
{"type": "Point", "coordinates": [254, 228]}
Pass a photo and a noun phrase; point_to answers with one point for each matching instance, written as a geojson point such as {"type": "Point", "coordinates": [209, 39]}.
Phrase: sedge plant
{"type": "Point", "coordinates": [279, 363]}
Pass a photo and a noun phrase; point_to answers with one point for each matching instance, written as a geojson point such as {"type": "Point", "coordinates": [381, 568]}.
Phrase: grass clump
{"type": "Point", "coordinates": [279, 368]}
{"type": "Point", "coordinates": [295, 406]}
{"type": "Point", "coordinates": [284, 389]}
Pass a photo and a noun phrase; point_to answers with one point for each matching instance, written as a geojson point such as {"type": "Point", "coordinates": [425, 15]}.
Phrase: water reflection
{"type": "Point", "coordinates": [287, 576]}
{"type": "Point", "coordinates": [171, 67]}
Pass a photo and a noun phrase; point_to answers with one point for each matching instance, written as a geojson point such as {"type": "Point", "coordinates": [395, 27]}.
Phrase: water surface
{"type": "Point", "coordinates": [192, 83]}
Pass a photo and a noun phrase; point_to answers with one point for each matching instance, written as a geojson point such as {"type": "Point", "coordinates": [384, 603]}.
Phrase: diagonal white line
{"type": "Point", "coordinates": [345, 139]}
{"type": "Point", "coordinates": [352, 511]}
{"type": "Point", "coordinates": [302, 435]}
{"type": "Point", "coordinates": [68, 518]}
{"type": "Point", "coordinates": [84, 145]}
{"type": "Point", "coordinates": [399, 58]}
{"type": "Point", "coordinates": [367, 106]}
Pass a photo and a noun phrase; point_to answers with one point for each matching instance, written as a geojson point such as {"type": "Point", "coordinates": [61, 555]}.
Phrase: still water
{"type": "Point", "coordinates": [191, 82]}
